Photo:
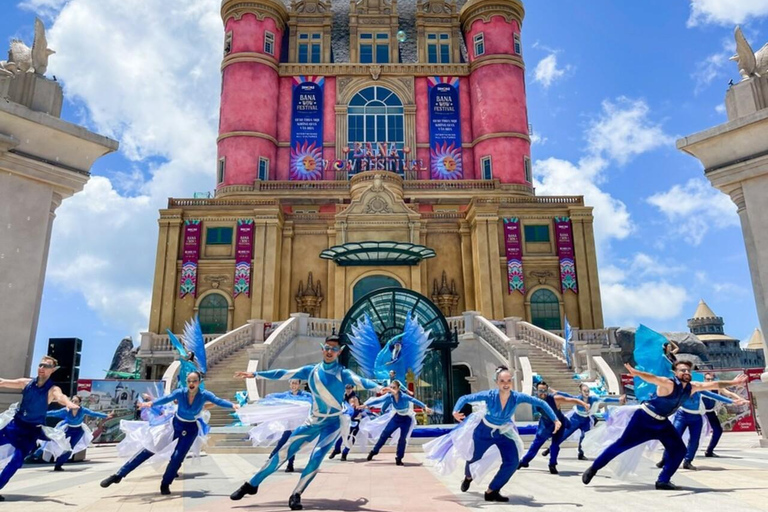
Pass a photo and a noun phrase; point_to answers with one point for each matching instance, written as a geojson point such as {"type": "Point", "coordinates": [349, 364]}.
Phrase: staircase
{"type": "Point", "coordinates": [219, 381]}
{"type": "Point", "coordinates": [553, 371]}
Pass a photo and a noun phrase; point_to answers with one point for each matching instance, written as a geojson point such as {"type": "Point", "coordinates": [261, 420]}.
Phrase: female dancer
{"type": "Point", "coordinates": [489, 426]}
{"type": "Point", "coordinates": [177, 435]}
{"type": "Point", "coordinates": [400, 418]}
{"type": "Point", "coordinates": [357, 413]}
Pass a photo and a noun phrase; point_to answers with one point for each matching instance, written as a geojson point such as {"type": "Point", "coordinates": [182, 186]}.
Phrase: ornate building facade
{"type": "Point", "coordinates": [725, 351]}
{"type": "Point", "coordinates": [374, 144]}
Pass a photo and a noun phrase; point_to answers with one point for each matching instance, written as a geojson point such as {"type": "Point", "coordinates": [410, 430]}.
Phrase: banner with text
{"type": "Point", "coordinates": [243, 257]}
{"type": "Point", "coordinates": [307, 128]}
{"type": "Point", "coordinates": [514, 250]}
{"type": "Point", "coordinates": [565, 253]}
{"type": "Point", "coordinates": [192, 236]}
{"type": "Point", "coordinates": [444, 128]}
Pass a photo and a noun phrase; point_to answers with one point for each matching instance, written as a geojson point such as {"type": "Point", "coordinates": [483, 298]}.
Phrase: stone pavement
{"type": "Point", "coordinates": [736, 482]}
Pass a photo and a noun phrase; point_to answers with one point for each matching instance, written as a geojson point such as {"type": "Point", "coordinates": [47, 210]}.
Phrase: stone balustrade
{"type": "Point", "coordinates": [542, 339]}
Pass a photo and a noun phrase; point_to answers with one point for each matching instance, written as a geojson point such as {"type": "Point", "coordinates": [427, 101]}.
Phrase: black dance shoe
{"type": "Point", "coordinates": [58, 468]}
{"type": "Point", "coordinates": [660, 464]}
{"type": "Point", "coordinates": [294, 502]}
{"type": "Point", "coordinates": [666, 486]}
{"type": "Point", "coordinates": [545, 452]}
{"type": "Point", "coordinates": [111, 479]}
{"type": "Point", "coordinates": [522, 465]}
{"type": "Point", "coordinates": [344, 457]}
{"type": "Point", "coordinates": [333, 454]}
{"type": "Point", "coordinates": [165, 490]}
{"type": "Point", "coordinates": [2, 499]}
{"type": "Point", "coordinates": [582, 457]}
{"type": "Point", "coordinates": [553, 469]}
{"type": "Point", "coordinates": [371, 455]}
{"type": "Point", "coordinates": [587, 476]}
{"type": "Point", "coordinates": [399, 462]}
{"type": "Point", "coordinates": [289, 468]}
{"type": "Point", "coordinates": [711, 454]}
{"type": "Point", "coordinates": [465, 484]}
{"type": "Point", "coordinates": [244, 489]}
{"type": "Point", "coordinates": [495, 496]}
{"type": "Point", "coordinates": [688, 465]}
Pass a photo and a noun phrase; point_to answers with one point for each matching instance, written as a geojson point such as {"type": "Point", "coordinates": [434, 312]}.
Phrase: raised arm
{"type": "Point", "coordinates": [210, 397]}
{"type": "Point", "coordinates": [731, 394]}
{"type": "Point", "coordinates": [297, 373]}
{"type": "Point", "coordinates": [14, 383]}
{"type": "Point", "coordinates": [611, 399]}
{"type": "Point", "coordinates": [57, 413]}
{"type": "Point", "coordinates": [176, 395]}
{"type": "Point", "coordinates": [541, 404]}
{"type": "Point", "coordinates": [95, 414]}
{"type": "Point", "coordinates": [375, 401]}
{"type": "Point", "coordinates": [567, 400]}
{"type": "Point", "coordinates": [715, 396]}
{"type": "Point", "coordinates": [481, 396]}
{"type": "Point", "coordinates": [350, 377]}
{"type": "Point", "coordinates": [741, 380]}
{"type": "Point", "coordinates": [416, 401]}
{"type": "Point", "coordinates": [563, 393]}
{"type": "Point", "coordinates": [662, 382]}
{"type": "Point", "coordinates": [55, 394]}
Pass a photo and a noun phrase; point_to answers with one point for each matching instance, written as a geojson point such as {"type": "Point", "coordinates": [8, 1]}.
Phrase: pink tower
{"type": "Point", "coordinates": [247, 143]}
{"type": "Point", "coordinates": [502, 146]}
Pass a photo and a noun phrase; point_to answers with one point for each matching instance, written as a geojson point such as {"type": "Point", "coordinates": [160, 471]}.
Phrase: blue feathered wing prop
{"type": "Point", "coordinates": [402, 353]}
{"type": "Point", "coordinates": [192, 342]}
{"type": "Point", "coordinates": [649, 357]}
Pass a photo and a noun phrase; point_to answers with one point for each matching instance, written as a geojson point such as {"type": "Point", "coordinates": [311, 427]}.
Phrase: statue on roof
{"type": "Point", "coordinates": [751, 64]}
{"type": "Point", "coordinates": [23, 59]}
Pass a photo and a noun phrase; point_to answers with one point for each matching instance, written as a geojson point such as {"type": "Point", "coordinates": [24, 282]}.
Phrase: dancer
{"type": "Point", "coordinates": [392, 378]}
{"type": "Point", "coordinates": [356, 414]}
{"type": "Point", "coordinates": [690, 417]}
{"type": "Point", "coordinates": [326, 383]}
{"type": "Point", "coordinates": [489, 426]}
{"type": "Point", "coordinates": [649, 421]}
{"type": "Point", "coordinates": [23, 425]}
{"type": "Point", "coordinates": [400, 418]}
{"type": "Point", "coordinates": [191, 349]}
{"type": "Point", "coordinates": [179, 434]}
{"type": "Point", "coordinates": [546, 427]}
{"type": "Point", "coordinates": [709, 411]}
{"type": "Point", "coordinates": [77, 432]}
{"type": "Point", "coordinates": [582, 418]}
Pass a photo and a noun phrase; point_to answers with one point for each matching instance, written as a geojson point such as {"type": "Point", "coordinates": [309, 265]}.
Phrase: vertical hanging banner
{"type": "Point", "coordinates": [565, 252]}
{"type": "Point", "coordinates": [444, 128]}
{"type": "Point", "coordinates": [514, 250]}
{"type": "Point", "coordinates": [190, 255]}
{"type": "Point", "coordinates": [243, 257]}
{"type": "Point", "coordinates": [307, 128]}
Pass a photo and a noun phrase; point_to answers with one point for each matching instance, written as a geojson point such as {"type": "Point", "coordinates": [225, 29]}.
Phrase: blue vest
{"type": "Point", "coordinates": [709, 403]}
{"type": "Point", "coordinates": [553, 404]}
{"type": "Point", "coordinates": [34, 403]}
{"type": "Point", "coordinates": [667, 405]}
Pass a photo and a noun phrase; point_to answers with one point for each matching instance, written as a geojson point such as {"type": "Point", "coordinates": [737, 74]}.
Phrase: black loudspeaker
{"type": "Point", "coordinates": [67, 352]}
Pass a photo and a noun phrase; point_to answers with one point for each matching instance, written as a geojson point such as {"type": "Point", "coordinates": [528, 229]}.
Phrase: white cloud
{"type": "Point", "coordinates": [630, 303]}
{"type": "Point", "coordinates": [44, 8]}
{"type": "Point", "coordinates": [726, 12]}
{"type": "Point", "coordinates": [538, 139]}
{"type": "Point", "coordinates": [694, 208]}
{"type": "Point", "coordinates": [547, 72]}
{"type": "Point", "coordinates": [715, 66]}
{"type": "Point", "coordinates": [720, 109]}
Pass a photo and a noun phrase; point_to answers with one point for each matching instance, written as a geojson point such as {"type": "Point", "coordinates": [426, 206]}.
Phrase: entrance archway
{"type": "Point", "coordinates": [372, 283]}
{"type": "Point", "coordinates": [545, 310]}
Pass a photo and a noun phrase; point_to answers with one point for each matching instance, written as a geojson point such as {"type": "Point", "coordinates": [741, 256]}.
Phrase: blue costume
{"type": "Point", "coordinates": [582, 418]}
{"type": "Point", "coordinates": [401, 420]}
{"type": "Point", "coordinates": [545, 431]}
{"type": "Point", "coordinates": [649, 422]}
{"type": "Point", "coordinates": [714, 423]}
{"type": "Point", "coordinates": [185, 431]}
{"type": "Point", "coordinates": [355, 416]}
{"type": "Point", "coordinates": [288, 395]}
{"type": "Point", "coordinates": [326, 383]}
{"type": "Point", "coordinates": [74, 428]}
{"type": "Point", "coordinates": [493, 427]}
{"type": "Point", "coordinates": [689, 416]}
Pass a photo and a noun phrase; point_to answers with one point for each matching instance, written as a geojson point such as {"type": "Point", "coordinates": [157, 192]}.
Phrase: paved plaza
{"type": "Point", "coordinates": [736, 482]}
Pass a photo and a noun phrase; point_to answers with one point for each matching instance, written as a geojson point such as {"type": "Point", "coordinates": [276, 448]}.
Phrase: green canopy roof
{"type": "Point", "coordinates": [377, 253]}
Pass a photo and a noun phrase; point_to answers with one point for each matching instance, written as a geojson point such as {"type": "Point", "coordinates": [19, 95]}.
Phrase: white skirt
{"type": "Point", "coordinates": [52, 451]}
{"type": "Point", "coordinates": [371, 430]}
{"type": "Point", "coordinates": [273, 417]}
{"type": "Point", "coordinates": [57, 439]}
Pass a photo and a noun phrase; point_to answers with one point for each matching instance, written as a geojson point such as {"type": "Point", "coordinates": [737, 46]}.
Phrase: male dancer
{"type": "Point", "coordinates": [714, 421]}
{"type": "Point", "coordinates": [326, 383]}
{"type": "Point", "coordinates": [356, 413]}
{"type": "Point", "coordinates": [650, 422]}
{"type": "Point", "coordinates": [547, 427]}
{"type": "Point", "coordinates": [26, 427]}
{"type": "Point", "coordinates": [295, 393]}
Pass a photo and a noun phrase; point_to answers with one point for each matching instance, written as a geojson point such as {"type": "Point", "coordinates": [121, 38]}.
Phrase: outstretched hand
{"type": "Point", "coordinates": [740, 380]}
{"type": "Point", "coordinates": [557, 426]}
{"type": "Point", "coordinates": [244, 375]}
{"type": "Point", "coordinates": [623, 399]}
{"type": "Point", "coordinates": [459, 416]}
{"type": "Point", "coordinates": [631, 369]}
{"type": "Point", "coordinates": [428, 410]}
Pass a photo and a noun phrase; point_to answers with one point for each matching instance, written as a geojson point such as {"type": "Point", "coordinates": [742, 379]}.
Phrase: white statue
{"type": "Point", "coordinates": [751, 64]}
{"type": "Point", "coordinates": [23, 59]}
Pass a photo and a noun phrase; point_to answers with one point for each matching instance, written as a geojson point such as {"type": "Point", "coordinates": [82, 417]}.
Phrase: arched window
{"type": "Point", "coordinates": [375, 114]}
{"type": "Point", "coordinates": [213, 312]}
{"type": "Point", "coordinates": [545, 310]}
{"type": "Point", "coordinates": [372, 283]}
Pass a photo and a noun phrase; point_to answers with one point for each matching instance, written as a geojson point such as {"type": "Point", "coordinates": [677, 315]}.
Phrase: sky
{"type": "Point", "coordinates": [611, 85]}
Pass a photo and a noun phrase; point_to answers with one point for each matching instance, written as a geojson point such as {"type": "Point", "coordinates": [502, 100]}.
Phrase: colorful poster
{"type": "Point", "coordinates": [444, 128]}
{"type": "Point", "coordinates": [190, 255]}
{"type": "Point", "coordinates": [734, 418]}
{"type": "Point", "coordinates": [307, 128]}
{"type": "Point", "coordinates": [565, 252]}
{"type": "Point", "coordinates": [514, 250]}
{"type": "Point", "coordinates": [118, 396]}
{"type": "Point", "coordinates": [243, 257]}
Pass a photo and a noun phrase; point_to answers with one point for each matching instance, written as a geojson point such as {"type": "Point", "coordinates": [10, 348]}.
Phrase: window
{"type": "Point", "coordinates": [375, 114]}
{"type": "Point", "coordinates": [221, 170]}
{"type": "Point", "coordinates": [374, 47]}
{"type": "Point", "coordinates": [518, 45]}
{"type": "Point", "coordinates": [545, 310]}
{"type": "Point", "coordinates": [213, 313]}
{"type": "Point", "coordinates": [228, 43]}
{"type": "Point", "coordinates": [536, 233]}
{"type": "Point", "coordinates": [310, 48]}
{"type": "Point", "coordinates": [263, 168]}
{"type": "Point", "coordinates": [527, 169]}
{"type": "Point", "coordinates": [269, 43]}
{"type": "Point", "coordinates": [479, 41]}
{"type": "Point", "coordinates": [487, 169]}
{"type": "Point", "coordinates": [439, 48]}
{"type": "Point", "coordinates": [218, 236]}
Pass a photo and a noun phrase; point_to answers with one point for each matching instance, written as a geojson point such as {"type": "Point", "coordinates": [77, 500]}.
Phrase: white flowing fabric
{"type": "Point", "coordinates": [273, 416]}
{"type": "Point", "coordinates": [635, 464]}
{"type": "Point", "coordinates": [52, 451]}
{"type": "Point", "coordinates": [370, 431]}
{"type": "Point", "coordinates": [55, 437]}
{"type": "Point", "coordinates": [458, 446]}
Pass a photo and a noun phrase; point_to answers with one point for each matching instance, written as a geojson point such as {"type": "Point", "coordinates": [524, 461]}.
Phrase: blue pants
{"type": "Point", "coordinates": [543, 433]}
{"type": "Point", "coordinates": [23, 437]}
{"type": "Point", "coordinates": [74, 434]}
{"type": "Point", "coordinates": [326, 429]}
{"type": "Point", "coordinates": [186, 433]}
{"type": "Point", "coordinates": [641, 429]}
{"type": "Point", "coordinates": [280, 443]}
{"type": "Point", "coordinates": [693, 422]}
{"type": "Point", "coordinates": [483, 438]}
{"type": "Point", "coordinates": [353, 431]}
{"type": "Point", "coordinates": [717, 430]}
{"type": "Point", "coordinates": [577, 422]}
{"type": "Point", "coordinates": [398, 422]}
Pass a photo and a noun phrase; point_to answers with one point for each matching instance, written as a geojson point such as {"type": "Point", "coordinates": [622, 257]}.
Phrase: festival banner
{"type": "Point", "coordinates": [307, 128]}
{"type": "Point", "coordinates": [565, 252]}
{"type": "Point", "coordinates": [190, 255]}
{"type": "Point", "coordinates": [444, 128]}
{"type": "Point", "coordinates": [514, 250]}
{"type": "Point", "coordinates": [243, 257]}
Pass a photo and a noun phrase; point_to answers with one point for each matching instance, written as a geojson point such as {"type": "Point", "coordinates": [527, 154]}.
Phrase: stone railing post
{"type": "Point", "coordinates": [303, 319]}
{"type": "Point", "coordinates": [146, 341]}
{"type": "Point", "coordinates": [469, 321]}
{"type": "Point", "coordinates": [511, 326]}
{"type": "Point", "coordinates": [257, 330]}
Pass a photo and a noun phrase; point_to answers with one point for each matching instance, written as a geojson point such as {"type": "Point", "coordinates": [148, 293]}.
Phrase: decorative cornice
{"type": "Point", "coordinates": [261, 9]}
{"type": "Point", "coordinates": [485, 9]}
{"type": "Point", "coordinates": [258, 58]}
{"type": "Point", "coordinates": [501, 135]}
{"type": "Point", "coordinates": [488, 60]}
{"type": "Point", "coordinates": [355, 69]}
{"type": "Point", "coordinates": [258, 135]}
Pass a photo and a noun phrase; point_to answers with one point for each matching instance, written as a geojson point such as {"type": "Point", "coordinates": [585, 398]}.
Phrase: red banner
{"type": "Point", "coordinates": [243, 257]}
{"type": "Point", "coordinates": [191, 253]}
{"type": "Point", "coordinates": [514, 250]}
{"type": "Point", "coordinates": [565, 252]}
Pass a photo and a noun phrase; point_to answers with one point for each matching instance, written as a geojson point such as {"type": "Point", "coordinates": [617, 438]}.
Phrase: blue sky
{"type": "Point", "coordinates": [611, 85]}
